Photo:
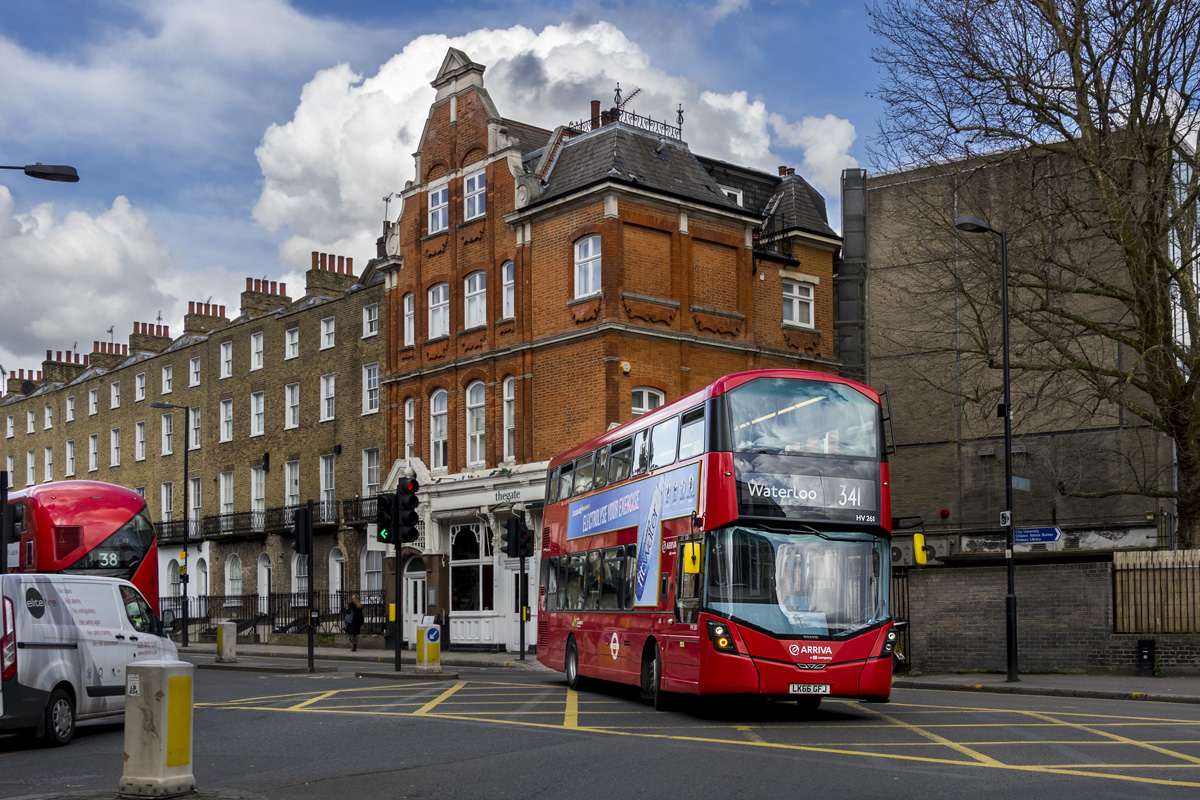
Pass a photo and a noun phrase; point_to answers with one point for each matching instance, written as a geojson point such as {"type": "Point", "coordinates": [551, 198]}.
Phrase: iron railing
{"type": "Point", "coordinates": [269, 520]}
{"type": "Point", "coordinates": [1156, 591]}
{"type": "Point", "coordinates": [608, 116]}
{"type": "Point", "coordinates": [277, 613]}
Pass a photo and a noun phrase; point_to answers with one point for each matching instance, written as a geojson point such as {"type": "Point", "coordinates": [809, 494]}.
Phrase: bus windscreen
{"type": "Point", "coordinates": [119, 555]}
{"type": "Point", "coordinates": [785, 415]}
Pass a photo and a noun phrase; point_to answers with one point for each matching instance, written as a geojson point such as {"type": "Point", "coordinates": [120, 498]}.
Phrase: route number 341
{"type": "Point", "coordinates": [850, 496]}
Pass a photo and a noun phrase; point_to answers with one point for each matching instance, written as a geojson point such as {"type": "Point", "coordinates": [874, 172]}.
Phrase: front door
{"type": "Point", "coordinates": [415, 605]}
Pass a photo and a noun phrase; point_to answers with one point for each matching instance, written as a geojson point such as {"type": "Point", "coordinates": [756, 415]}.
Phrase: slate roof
{"type": "Point", "coordinates": [532, 138]}
{"type": "Point", "coordinates": [624, 154]}
{"type": "Point", "coordinates": [797, 204]}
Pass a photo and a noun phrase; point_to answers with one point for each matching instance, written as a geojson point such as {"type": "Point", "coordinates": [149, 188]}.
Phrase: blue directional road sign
{"type": "Point", "coordinates": [1036, 535]}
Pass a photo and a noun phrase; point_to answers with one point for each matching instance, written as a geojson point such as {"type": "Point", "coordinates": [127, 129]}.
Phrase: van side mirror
{"type": "Point", "coordinates": [168, 622]}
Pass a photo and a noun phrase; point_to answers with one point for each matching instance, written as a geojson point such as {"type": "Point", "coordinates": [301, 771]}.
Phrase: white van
{"type": "Point", "coordinates": [65, 641]}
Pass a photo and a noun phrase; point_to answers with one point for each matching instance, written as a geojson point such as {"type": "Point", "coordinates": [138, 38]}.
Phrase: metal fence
{"type": "Point", "coordinates": [899, 598]}
{"type": "Point", "coordinates": [276, 613]}
{"type": "Point", "coordinates": [1156, 591]}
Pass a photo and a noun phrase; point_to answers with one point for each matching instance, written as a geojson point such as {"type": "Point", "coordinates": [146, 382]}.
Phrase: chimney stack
{"type": "Point", "coordinates": [263, 297]}
{"type": "Point", "coordinates": [203, 318]}
{"type": "Point", "coordinates": [330, 274]}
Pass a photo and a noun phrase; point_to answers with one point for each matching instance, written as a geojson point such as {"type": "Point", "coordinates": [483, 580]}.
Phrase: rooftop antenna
{"type": "Point", "coordinates": [386, 201]}
{"type": "Point", "coordinates": [620, 104]}
{"type": "Point", "coordinates": [679, 118]}
{"type": "Point", "coordinates": [111, 340]}
{"type": "Point", "coordinates": [75, 348]}
{"type": "Point", "coordinates": [159, 320]}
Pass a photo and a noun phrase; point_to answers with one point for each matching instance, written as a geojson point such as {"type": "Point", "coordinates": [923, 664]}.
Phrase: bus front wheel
{"type": "Point", "coordinates": [571, 665]}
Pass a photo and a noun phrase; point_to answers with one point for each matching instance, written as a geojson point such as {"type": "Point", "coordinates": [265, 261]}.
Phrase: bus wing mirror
{"type": "Point", "coordinates": [919, 552]}
{"type": "Point", "coordinates": [692, 556]}
{"type": "Point", "coordinates": [168, 622]}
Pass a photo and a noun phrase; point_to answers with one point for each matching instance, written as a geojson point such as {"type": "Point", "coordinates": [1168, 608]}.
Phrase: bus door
{"type": "Point", "coordinates": [681, 657]}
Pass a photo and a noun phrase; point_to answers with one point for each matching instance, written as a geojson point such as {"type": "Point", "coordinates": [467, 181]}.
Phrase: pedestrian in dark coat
{"type": "Point", "coordinates": [353, 621]}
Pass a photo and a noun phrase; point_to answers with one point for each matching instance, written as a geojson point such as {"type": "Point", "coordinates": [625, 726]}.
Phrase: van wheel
{"type": "Point", "coordinates": [59, 724]}
{"type": "Point", "coordinates": [571, 666]}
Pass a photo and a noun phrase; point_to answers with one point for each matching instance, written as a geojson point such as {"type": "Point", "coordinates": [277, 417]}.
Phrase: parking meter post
{"type": "Point", "coordinates": [312, 595]}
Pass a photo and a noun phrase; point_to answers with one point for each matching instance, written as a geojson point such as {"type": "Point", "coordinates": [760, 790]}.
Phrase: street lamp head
{"type": "Point", "coordinates": [973, 225]}
{"type": "Point", "coordinates": [49, 172]}
{"type": "Point", "coordinates": [163, 405]}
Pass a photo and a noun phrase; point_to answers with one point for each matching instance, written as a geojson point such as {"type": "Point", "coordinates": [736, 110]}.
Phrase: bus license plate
{"type": "Point", "coordinates": [808, 688]}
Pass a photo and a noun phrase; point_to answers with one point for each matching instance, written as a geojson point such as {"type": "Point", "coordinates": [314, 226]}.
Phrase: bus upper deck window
{"type": "Point", "coordinates": [620, 461]}
{"type": "Point", "coordinates": [552, 486]}
{"type": "Point", "coordinates": [564, 481]}
{"type": "Point", "coordinates": [583, 474]}
{"type": "Point", "coordinates": [641, 452]}
{"type": "Point", "coordinates": [601, 468]}
{"type": "Point", "coordinates": [664, 439]}
{"type": "Point", "coordinates": [691, 433]}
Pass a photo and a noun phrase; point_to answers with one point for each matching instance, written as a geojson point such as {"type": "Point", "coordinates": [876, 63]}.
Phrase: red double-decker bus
{"type": "Point", "coordinates": [735, 541]}
{"type": "Point", "coordinates": [86, 527]}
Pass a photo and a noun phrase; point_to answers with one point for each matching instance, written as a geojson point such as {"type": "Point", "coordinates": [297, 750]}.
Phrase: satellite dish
{"type": "Point", "coordinates": [27, 387]}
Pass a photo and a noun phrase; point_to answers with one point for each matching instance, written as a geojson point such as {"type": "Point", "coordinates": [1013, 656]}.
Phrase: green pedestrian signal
{"type": "Point", "coordinates": [385, 523]}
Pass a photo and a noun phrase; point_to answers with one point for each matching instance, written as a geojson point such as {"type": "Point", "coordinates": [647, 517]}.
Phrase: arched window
{"type": "Point", "coordinates": [439, 310]}
{"type": "Point", "coordinates": [299, 578]}
{"type": "Point", "coordinates": [410, 319]}
{"type": "Point", "coordinates": [646, 398]}
{"type": "Point", "coordinates": [587, 266]}
{"type": "Point", "coordinates": [337, 571]}
{"type": "Point", "coordinates": [510, 418]}
{"type": "Point", "coordinates": [410, 425]}
{"type": "Point", "coordinates": [437, 430]}
{"type": "Point", "coordinates": [508, 291]}
{"type": "Point", "coordinates": [264, 583]}
{"type": "Point", "coordinates": [201, 577]}
{"type": "Point", "coordinates": [173, 574]}
{"type": "Point", "coordinates": [475, 455]}
{"type": "Point", "coordinates": [233, 576]}
{"type": "Point", "coordinates": [475, 299]}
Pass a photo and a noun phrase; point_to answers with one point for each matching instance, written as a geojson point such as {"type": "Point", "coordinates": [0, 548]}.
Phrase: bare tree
{"type": "Point", "coordinates": [1089, 110]}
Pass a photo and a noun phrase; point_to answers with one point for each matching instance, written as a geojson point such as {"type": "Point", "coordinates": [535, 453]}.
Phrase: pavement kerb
{"type": "Point", "coordinates": [1045, 691]}
{"type": "Point", "coordinates": [482, 661]}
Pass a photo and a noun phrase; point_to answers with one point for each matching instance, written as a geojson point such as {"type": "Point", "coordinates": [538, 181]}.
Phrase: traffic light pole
{"type": "Point", "coordinates": [399, 606]}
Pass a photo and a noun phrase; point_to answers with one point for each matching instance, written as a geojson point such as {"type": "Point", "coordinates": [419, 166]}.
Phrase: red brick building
{"type": "Point", "coordinates": [543, 285]}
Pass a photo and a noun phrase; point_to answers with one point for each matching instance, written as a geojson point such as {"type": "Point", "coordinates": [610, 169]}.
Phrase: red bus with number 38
{"type": "Point", "coordinates": [84, 527]}
{"type": "Point", "coordinates": [735, 541]}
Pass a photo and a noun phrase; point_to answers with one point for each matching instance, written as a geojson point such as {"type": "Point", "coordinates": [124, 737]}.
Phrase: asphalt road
{"type": "Point", "coordinates": [505, 733]}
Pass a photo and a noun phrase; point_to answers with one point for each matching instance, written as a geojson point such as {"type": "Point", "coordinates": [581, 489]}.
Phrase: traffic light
{"type": "Point", "coordinates": [511, 536]}
{"type": "Point", "coordinates": [524, 539]}
{"type": "Point", "coordinates": [301, 531]}
{"type": "Point", "coordinates": [385, 523]}
{"type": "Point", "coordinates": [404, 513]}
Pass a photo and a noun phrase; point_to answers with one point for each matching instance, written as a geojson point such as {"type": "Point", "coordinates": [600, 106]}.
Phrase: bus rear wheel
{"type": "Point", "coordinates": [807, 705]}
{"type": "Point", "coordinates": [571, 665]}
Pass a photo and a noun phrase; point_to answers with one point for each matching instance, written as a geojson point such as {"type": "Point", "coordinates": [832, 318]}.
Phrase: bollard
{"type": "Point", "coordinates": [158, 730]}
{"type": "Point", "coordinates": [227, 643]}
{"type": "Point", "coordinates": [429, 649]}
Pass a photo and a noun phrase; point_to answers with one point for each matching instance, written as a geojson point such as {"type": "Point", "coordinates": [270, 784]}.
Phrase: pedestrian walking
{"type": "Point", "coordinates": [353, 621]}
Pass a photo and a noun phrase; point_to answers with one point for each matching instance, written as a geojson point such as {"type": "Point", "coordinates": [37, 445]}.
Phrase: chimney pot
{"type": "Point", "coordinates": [274, 287]}
{"type": "Point", "coordinates": [87, 360]}
{"type": "Point", "coordinates": [283, 289]}
{"type": "Point", "coordinates": [58, 356]}
{"type": "Point", "coordinates": [349, 266]}
{"type": "Point", "coordinates": [791, 170]}
{"type": "Point", "coordinates": [191, 306]}
{"type": "Point", "coordinates": [314, 259]}
{"type": "Point", "coordinates": [48, 352]}
{"type": "Point", "coordinates": [322, 261]}
{"type": "Point", "coordinates": [342, 264]}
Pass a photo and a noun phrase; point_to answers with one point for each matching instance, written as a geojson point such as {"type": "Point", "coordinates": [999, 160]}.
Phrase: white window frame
{"type": "Point", "coordinates": [328, 485]}
{"type": "Point", "coordinates": [47, 464]}
{"type": "Point", "coordinates": [370, 320]}
{"type": "Point", "coordinates": [256, 351]}
{"type": "Point", "coordinates": [8, 427]}
{"type": "Point", "coordinates": [439, 209]}
{"type": "Point", "coordinates": [588, 251]}
{"type": "Point", "coordinates": [475, 194]}
{"type": "Point", "coordinates": [30, 421]}
{"type": "Point", "coordinates": [70, 415]}
{"type": "Point", "coordinates": [258, 413]}
{"type": "Point", "coordinates": [510, 418]}
{"type": "Point", "coordinates": [370, 474]}
{"type": "Point", "coordinates": [475, 300]}
{"type": "Point", "coordinates": [291, 484]}
{"type": "Point", "coordinates": [139, 440]}
{"type": "Point", "coordinates": [233, 577]}
{"type": "Point", "coordinates": [193, 417]}
{"type": "Point", "coordinates": [476, 423]}
{"type": "Point", "coordinates": [225, 488]}
{"type": "Point", "coordinates": [93, 402]}
{"type": "Point", "coordinates": [70, 458]}
{"type": "Point", "coordinates": [227, 420]}
{"type": "Point", "coordinates": [194, 371]}
{"type": "Point", "coordinates": [48, 418]}
{"type": "Point", "coordinates": [798, 302]}
{"type": "Point", "coordinates": [114, 447]}
{"type": "Point", "coordinates": [30, 468]}
{"type": "Point", "coordinates": [410, 319]}
{"type": "Point", "coordinates": [93, 452]}
{"type": "Point", "coordinates": [300, 574]}
{"type": "Point", "coordinates": [166, 500]}
{"type": "Point", "coordinates": [328, 397]}
{"type": "Point", "coordinates": [328, 332]}
{"type": "Point", "coordinates": [438, 417]}
{"type": "Point", "coordinates": [168, 434]}
{"type": "Point", "coordinates": [410, 424]}
{"type": "Point", "coordinates": [226, 360]}
{"type": "Point", "coordinates": [139, 387]}
{"type": "Point", "coordinates": [508, 290]}
{"type": "Point", "coordinates": [640, 397]}
{"type": "Point", "coordinates": [168, 379]}
{"type": "Point", "coordinates": [291, 406]}
{"type": "Point", "coordinates": [370, 388]}
{"type": "Point", "coordinates": [291, 343]}
{"type": "Point", "coordinates": [439, 310]}
{"type": "Point", "coordinates": [733, 194]}
{"type": "Point", "coordinates": [114, 394]}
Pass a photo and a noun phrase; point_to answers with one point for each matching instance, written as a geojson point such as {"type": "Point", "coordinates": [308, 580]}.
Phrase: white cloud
{"type": "Point", "coordinates": [68, 279]}
{"type": "Point", "coordinates": [351, 139]}
{"type": "Point", "coordinates": [724, 8]}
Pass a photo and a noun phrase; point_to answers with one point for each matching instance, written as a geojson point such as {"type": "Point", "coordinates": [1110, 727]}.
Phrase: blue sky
{"type": "Point", "coordinates": [223, 139]}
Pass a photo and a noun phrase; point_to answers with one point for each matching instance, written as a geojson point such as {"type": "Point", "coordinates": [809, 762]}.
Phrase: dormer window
{"type": "Point", "coordinates": [733, 194]}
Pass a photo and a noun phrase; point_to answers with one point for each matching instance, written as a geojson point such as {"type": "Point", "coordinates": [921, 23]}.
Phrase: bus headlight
{"type": "Point", "coordinates": [889, 642]}
{"type": "Point", "coordinates": [721, 636]}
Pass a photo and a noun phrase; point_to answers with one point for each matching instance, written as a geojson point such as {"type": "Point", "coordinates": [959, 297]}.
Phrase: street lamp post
{"type": "Point", "coordinates": [49, 172]}
{"type": "Point", "coordinates": [974, 225]}
{"type": "Point", "coordinates": [187, 524]}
